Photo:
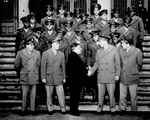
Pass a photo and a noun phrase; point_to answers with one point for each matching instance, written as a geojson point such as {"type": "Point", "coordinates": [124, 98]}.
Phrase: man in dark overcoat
{"type": "Point", "coordinates": [76, 75]}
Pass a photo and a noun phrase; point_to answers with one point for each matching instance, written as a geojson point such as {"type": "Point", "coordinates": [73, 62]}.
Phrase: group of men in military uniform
{"type": "Point", "coordinates": [56, 37]}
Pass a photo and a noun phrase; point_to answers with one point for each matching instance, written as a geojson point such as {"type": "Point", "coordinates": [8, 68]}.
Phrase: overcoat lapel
{"type": "Point", "coordinates": [109, 49]}
{"type": "Point", "coordinates": [134, 20]}
{"type": "Point", "coordinates": [25, 52]}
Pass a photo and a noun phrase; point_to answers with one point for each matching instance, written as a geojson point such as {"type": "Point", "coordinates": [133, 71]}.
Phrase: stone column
{"type": "Point", "coordinates": [106, 4]}
{"type": "Point", "coordinates": [23, 10]}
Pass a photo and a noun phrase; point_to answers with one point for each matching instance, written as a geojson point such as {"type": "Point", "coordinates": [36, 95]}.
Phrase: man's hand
{"type": "Point", "coordinates": [116, 78]}
{"type": "Point", "coordinates": [89, 73]}
{"type": "Point", "coordinates": [64, 80]}
{"type": "Point", "coordinates": [44, 80]}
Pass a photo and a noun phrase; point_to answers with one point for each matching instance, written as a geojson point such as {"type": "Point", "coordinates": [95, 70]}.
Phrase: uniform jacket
{"type": "Point", "coordinates": [96, 20]}
{"type": "Point", "coordinates": [76, 69]}
{"type": "Point", "coordinates": [130, 64]}
{"type": "Point", "coordinates": [77, 24]}
{"type": "Point", "coordinates": [29, 66]}
{"type": "Point", "coordinates": [130, 33]}
{"type": "Point", "coordinates": [120, 21]}
{"type": "Point", "coordinates": [59, 21]}
{"type": "Point", "coordinates": [46, 37]}
{"type": "Point", "coordinates": [138, 25]}
{"type": "Point", "coordinates": [69, 38]}
{"type": "Point", "coordinates": [87, 36]}
{"type": "Point", "coordinates": [92, 50]}
{"type": "Point", "coordinates": [108, 64]}
{"type": "Point", "coordinates": [64, 45]}
{"type": "Point", "coordinates": [105, 29]}
{"type": "Point", "coordinates": [41, 45]}
{"type": "Point", "coordinates": [53, 67]}
{"type": "Point", "coordinates": [21, 36]}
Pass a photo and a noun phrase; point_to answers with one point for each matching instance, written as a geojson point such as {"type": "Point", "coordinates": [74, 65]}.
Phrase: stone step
{"type": "Point", "coordinates": [7, 44]}
{"type": "Point", "coordinates": [146, 60]}
{"type": "Point", "coordinates": [145, 67]}
{"type": "Point", "coordinates": [7, 60]}
{"type": "Point", "coordinates": [7, 39]}
{"type": "Point", "coordinates": [147, 37]}
{"type": "Point", "coordinates": [9, 79]}
{"type": "Point", "coordinates": [7, 67]}
{"type": "Point", "coordinates": [146, 49]}
{"type": "Point", "coordinates": [146, 44]}
{"type": "Point", "coordinates": [8, 73]}
{"type": "Point", "coordinates": [7, 54]}
{"type": "Point", "coordinates": [146, 54]}
{"type": "Point", "coordinates": [7, 49]}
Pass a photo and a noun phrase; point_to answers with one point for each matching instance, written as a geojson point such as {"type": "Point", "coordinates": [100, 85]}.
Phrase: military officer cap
{"type": "Point", "coordinates": [115, 24]}
{"type": "Point", "coordinates": [115, 34]}
{"type": "Point", "coordinates": [49, 7]}
{"type": "Point", "coordinates": [132, 9]}
{"type": "Point", "coordinates": [61, 31]}
{"type": "Point", "coordinates": [127, 19]}
{"type": "Point", "coordinates": [98, 6]}
{"type": "Point", "coordinates": [28, 40]}
{"type": "Point", "coordinates": [49, 22]}
{"type": "Point", "coordinates": [37, 28]}
{"type": "Point", "coordinates": [68, 14]}
{"type": "Point", "coordinates": [140, 2]}
{"type": "Point", "coordinates": [68, 23]}
{"type": "Point", "coordinates": [32, 15]}
{"type": "Point", "coordinates": [77, 10]}
{"type": "Point", "coordinates": [55, 39]}
{"type": "Point", "coordinates": [88, 20]}
{"type": "Point", "coordinates": [25, 19]}
{"type": "Point", "coordinates": [62, 7]}
{"type": "Point", "coordinates": [85, 15]}
{"type": "Point", "coordinates": [115, 11]}
{"type": "Point", "coordinates": [78, 32]}
{"type": "Point", "coordinates": [95, 32]}
{"type": "Point", "coordinates": [105, 36]}
{"type": "Point", "coordinates": [104, 11]}
{"type": "Point", "coordinates": [127, 39]}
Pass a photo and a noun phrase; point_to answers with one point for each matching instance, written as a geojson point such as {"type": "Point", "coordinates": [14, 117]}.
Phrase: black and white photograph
{"type": "Point", "coordinates": [74, 59]}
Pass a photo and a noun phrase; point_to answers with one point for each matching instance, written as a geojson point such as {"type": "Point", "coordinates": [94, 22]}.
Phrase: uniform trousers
{"type": "Point", "coordinates": [123, 95]}
{"type": "Point", "coordinates": [60, 94]}
{"type": "Point", "coordinates": [25, 90]}
{"type": "Point", "coordinates": [101, 92]}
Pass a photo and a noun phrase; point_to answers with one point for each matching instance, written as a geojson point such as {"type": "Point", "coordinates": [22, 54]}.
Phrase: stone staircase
{"type": "Point", "coordinates": [10, 91]}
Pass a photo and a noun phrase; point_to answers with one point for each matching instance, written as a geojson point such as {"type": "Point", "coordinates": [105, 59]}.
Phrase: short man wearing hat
{"type": "Point", "coordinates": [131, 59]}
{"type": "Point", "coordinates": [76, 76]}
{"type": "Point", "coordinates": [137, 25]}
{"type": "Point", "coordinates": [108, 66]}
{"type": "Point", "coordinates": [96, 10]}
{"type": "Point", "coordinates": [53, 74]}
{"type": "Point", "coordinates": [115, 17]}
{"type": "Point", "coordinates": [50, 15]}
{"type": "Point", "coordinates": [92, 50]}
{"type": "Point", "coordinates": [28, 62]}
{"type": "Point", "coordinates": [127, 30]}
{"type": "Point", "coordinates": [60, 17]}
{"type": "Point", "coordinates": [103, 25]}
{"type": "Point", "coordinates": [50, 33]}
{"type": "Point", "coordinates": [23, 33]}
{"type": "Point", "coordinates": [40, 44]}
